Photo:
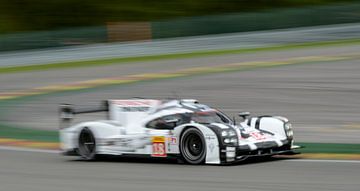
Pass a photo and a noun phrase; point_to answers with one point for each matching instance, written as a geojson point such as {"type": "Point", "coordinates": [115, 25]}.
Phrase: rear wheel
{"type": "Point", "coordinates": [193, 146]}
{"type": "Point", "coordinates": [87, 144]}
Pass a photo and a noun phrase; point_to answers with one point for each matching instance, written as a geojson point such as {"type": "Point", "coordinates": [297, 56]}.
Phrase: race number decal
{"type": "Point", "coordinates": [158, 146]}
{"type": "Point", "coordinates": [258, 136]}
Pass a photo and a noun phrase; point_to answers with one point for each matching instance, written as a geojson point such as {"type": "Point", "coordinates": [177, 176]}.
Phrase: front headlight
{"type": "Point", "coordinates": [228, 133]}
{"type": "Point", "coordinates": [224, 133]}
{"type": "Point", "coordinates": [232, 133]}
{"type": "Point", "coordinates": [229, 136]}
{"type": "Point", "coordinates": [233, 140]}
{"type": "Point", "coordinates": [287, 126]}
{"type": "Point", "coordinates": [288, 130]}
{"type": "Point", "coordinates": [290, 133]}
{"type": "Point", "coordinates": [227, 140]}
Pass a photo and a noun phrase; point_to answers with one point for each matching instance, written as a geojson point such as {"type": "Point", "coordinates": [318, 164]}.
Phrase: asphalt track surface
{"type": "Point", "coordinates": [44, 171]}
{"type": "Point", "coordinates": [321, 99]}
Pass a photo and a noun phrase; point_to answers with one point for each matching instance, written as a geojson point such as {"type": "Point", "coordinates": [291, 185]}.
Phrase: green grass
{"type": "Point", "coordinates": [101, 62]}
{"type": "Point", "coordinates": [9, 131]}
{"type": "Point", "coordinates": [337, 148]}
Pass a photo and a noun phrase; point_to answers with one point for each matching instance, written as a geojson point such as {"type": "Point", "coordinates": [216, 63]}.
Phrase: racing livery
{"type": "Point", "coordinates": [192, 132]}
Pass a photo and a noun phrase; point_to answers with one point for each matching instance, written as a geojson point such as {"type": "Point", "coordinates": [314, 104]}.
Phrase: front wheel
{"type": "Point", "coordinates": [87, 144]}
{"type": "Point", "coordinates": [193, 146]}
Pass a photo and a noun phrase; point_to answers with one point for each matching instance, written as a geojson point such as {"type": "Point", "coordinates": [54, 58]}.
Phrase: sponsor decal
{"type": "Point", "coordinates": [134, 109]}
{"type": "Point", "coordinates": [258, 135]}
{"type": "Point", "coordinates": [210, 137]}
{"type": "Point", "coordinates": [158, 139]}
{"type": "Point", "coordinates": [158, 146]}
{"type": "Point", "coordinates": [135, 103]}
{"type": "Point", "coordinates": [211, 147]}
{"type": "Point", "coordinates": [171, 143]}
{"type": "Point", "coordinates": [171, 140]}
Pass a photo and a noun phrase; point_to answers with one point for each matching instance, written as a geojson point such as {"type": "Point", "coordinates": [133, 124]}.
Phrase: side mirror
{"type": "Point", "coordinates": [244, 114]}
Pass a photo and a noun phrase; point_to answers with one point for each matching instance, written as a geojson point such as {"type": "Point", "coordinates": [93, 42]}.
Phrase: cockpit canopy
{"type": "Point", "coordinates": [210, 117]}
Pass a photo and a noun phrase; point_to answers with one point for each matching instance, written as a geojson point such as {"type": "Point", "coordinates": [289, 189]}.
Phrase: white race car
{"type": "Point", "coordinates": [192, 132]}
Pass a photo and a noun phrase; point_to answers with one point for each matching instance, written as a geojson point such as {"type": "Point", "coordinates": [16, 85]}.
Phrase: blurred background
{"type": "Point", "coordinates": [294, 58]}
{"type": "Point", "coordinates": [26, 24]}
{"type": "Point", "coordinates": [64, 51]}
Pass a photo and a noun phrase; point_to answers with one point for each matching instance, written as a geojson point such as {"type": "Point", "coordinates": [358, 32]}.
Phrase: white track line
{"type": "Point", "coordinates": [9, 148]}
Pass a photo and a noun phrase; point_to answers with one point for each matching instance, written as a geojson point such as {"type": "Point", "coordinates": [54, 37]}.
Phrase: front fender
{"type": "Point", "coordinates": [273, 124]}
{"type": "Point", "coordinates": [211, 140]}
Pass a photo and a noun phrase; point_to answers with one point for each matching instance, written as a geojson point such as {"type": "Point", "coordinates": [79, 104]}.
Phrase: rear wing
{"type": "Point", "coordinates": [68, 111]}
{"type": "Point", "coordinates": [125, 111]}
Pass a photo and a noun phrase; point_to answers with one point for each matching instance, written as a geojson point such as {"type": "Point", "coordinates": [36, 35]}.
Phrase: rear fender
{"type": "Point", "coordinates": [101, 131]}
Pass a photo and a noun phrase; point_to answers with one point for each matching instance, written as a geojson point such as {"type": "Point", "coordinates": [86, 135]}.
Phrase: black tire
{"type": "Point", "coordinates": [193, 146]}
{"type": "Point", "coordinates": [87, 144]}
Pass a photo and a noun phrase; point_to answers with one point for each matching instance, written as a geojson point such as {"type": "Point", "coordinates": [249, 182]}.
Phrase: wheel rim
{"type": "Point", "coordinates": [193, 146]}
{"type": "Point", "coordinates": [86, 143]}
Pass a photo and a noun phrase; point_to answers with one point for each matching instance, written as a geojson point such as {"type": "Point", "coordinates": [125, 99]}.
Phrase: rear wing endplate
{"type": "Point", "coordinates": [68, 111]}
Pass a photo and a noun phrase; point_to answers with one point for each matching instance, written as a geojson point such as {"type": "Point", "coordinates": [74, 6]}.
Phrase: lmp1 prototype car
{"type": "Point", "coordinates": [192, 132]}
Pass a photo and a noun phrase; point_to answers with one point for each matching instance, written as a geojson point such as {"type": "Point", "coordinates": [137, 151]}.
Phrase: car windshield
{"type": "Point", "coordinates": [207, 117]}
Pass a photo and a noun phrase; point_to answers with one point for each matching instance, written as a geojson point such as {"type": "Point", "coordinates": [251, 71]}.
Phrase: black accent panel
{"type": "Point", "coordinates": [161, 124]}
{"type": "Point", "coordinates": [72, 152]}
{"type": "Point", "coordinates": [244, 148]}
{"type": "Point", "coordinates": [217, 132]}
{"type": "Point", "coordinates": [257, 123]}
{"type": "Point", "coordinates": [268, 132]}
{"type": "Point", "coordinates": [285, 149]}
{"type": "Point", "coordinates": [249, 122]}
{"type": "Point", "coordinates": [266, 145]}
{"type": "Point", "coordinates": [286, 142]}
{"type": "Point", "coordinates": [244, 135]}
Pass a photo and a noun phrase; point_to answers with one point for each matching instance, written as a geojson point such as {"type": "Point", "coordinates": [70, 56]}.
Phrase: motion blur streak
{"type": "Point", "coordinates": [42, 171]}
{"type": "Point", "coordinates": [179, 73]}
{"type": "Point", "coordinates": [294, 58]}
